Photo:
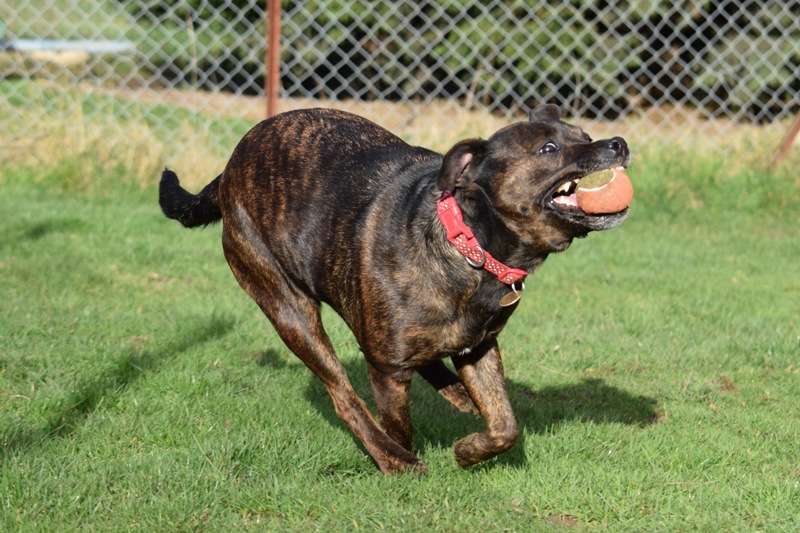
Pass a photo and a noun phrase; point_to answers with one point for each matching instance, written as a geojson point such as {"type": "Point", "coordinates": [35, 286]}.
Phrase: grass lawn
{"type": "Point", "coordinates": [654, 369]}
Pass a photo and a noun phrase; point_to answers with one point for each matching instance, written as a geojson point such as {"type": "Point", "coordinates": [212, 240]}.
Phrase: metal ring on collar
{"type": "Point", "coordinates": [477, 264]}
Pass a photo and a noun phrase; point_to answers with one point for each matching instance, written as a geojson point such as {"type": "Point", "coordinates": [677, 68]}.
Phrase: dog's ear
{"type": "Point", "coordinates": [458, 164]}
{"type": "Point", "coordinates": [545, 112]}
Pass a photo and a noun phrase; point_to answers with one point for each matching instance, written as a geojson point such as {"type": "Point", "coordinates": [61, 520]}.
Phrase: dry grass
{"type": "Point", "coordinates": [48, 134]}
{"type": "Point", "coordinates": [440, 123]}
{"type": "Point", "coordinates": [101, 149]}
{"type": "Point", "coordinates": [96, 146]}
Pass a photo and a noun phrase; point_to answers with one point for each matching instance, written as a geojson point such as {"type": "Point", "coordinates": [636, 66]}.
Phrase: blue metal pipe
{"type": "Point", "coordinates": [90, 46]}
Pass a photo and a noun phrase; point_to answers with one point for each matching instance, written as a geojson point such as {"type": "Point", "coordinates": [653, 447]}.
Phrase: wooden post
{"type": "Point", "coordinates": [273, 59]}
{"type": "Point", "coordinates": [786, 144]}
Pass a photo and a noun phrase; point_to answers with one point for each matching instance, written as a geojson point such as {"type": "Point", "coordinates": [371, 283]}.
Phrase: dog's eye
{"type": "Point", "coordinates": [548, 148]}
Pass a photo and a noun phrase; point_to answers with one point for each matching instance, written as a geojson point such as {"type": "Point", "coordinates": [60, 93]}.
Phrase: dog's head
{"type": "Point", "coordinates": [523, 169]}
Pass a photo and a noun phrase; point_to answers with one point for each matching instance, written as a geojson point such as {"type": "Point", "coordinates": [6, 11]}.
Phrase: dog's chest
{"type": "Point", "coordinates": [453, 334]}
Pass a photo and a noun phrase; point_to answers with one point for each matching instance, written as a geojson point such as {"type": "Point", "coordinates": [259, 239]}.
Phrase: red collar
{"type": "Point", "coordinates": [465, 242]}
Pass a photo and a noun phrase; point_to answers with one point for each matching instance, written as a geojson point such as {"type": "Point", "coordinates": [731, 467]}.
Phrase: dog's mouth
{"type": "Point", "coordinates": [563, 200]}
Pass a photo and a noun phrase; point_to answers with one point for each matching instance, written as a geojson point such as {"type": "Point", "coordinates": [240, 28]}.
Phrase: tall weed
{"type": "Point", "coordinates": [79, 144]}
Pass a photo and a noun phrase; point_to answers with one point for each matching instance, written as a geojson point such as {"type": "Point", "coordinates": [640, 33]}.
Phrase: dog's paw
{"type": "Point", "coordinates": [394, 466]}
{"type": "Point", "coordinates": [479, 447]}
{"type": "Point", "coordinates": [392, 459]}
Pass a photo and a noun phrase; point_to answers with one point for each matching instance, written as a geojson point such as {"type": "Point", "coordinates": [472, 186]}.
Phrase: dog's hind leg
{"type": "Point", "coordinates": [390, 388]}
{"type": "Point", "coordinates": [449, 386]}
{"type": "Point", "coordinates": [296, 318]}
{"type": "Point", "coordinates": [481, 372]}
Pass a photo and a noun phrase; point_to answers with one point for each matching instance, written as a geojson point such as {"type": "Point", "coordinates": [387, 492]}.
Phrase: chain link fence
{"type": "Point", "coordinates": [676, 71]}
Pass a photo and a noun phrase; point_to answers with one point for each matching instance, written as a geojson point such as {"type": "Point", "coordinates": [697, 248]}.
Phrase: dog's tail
{"type": "Point", "coordinates": [189, 209]}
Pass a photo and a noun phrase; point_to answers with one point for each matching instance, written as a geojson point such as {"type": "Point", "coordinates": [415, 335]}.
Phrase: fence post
{"type": "Point", "coordinates": [271, 79]}
{"type": "Point", "coordinates": [786, 144]}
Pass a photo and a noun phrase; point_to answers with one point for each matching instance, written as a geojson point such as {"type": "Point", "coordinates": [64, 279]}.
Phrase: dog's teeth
{"type": "Point", "coordinates": [568, 187]}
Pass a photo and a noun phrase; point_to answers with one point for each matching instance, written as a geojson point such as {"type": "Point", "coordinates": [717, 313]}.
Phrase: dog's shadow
{"type": "Point", "coordinates": [438, 424]}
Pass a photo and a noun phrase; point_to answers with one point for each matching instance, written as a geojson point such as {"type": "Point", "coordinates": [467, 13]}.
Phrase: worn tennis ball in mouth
{"type": "Point", "coordinates": [604, 192]}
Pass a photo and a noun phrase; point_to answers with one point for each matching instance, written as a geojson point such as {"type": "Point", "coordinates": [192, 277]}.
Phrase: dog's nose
{"type": "Point", "coordinates": [618, 146]}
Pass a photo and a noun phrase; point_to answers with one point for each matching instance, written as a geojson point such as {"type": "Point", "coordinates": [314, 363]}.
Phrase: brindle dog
{"type": "Point", "coordinates": [324, 206]}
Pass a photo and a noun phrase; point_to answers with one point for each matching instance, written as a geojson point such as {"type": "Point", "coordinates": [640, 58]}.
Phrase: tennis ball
{"type": "Point", "coordinates": [596, 179]}
{"type": "Point", "coordinates": [604, 192]}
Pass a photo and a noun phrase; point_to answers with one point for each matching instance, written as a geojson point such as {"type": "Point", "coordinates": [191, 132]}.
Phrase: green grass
{"type": "Point", "coordinates": [654, 370]}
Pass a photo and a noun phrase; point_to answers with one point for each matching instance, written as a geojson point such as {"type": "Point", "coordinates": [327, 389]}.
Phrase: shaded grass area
{"type": "Point", "coordinates": [654, 370]}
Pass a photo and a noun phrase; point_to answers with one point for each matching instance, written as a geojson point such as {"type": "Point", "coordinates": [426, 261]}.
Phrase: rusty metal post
{"type": "Point", "coordinates": [786, 144]}
{"type": "Point", "coordinates": [273, 59]}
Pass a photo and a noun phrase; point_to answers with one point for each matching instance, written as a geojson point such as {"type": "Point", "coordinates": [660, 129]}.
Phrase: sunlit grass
{"type": "Point", "coordinates": [653, 368]}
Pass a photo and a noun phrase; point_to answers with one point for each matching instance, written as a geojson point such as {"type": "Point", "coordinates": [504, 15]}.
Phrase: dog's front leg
{"type": "Point", "coordinates": [449, 386]}
{"type": "Point", "coordinates": [481, 372]}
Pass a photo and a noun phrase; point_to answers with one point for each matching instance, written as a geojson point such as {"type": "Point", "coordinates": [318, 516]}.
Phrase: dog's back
{"type": "Point", "coordinates": [310, 179]}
